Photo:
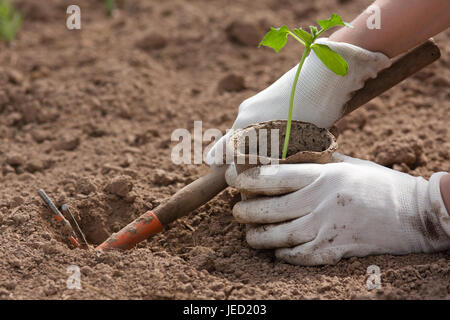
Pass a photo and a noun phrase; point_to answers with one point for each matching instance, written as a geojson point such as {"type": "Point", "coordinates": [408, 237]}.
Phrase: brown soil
{"type": "Point", "coordinates": [87, 115]}
{"type": "Point", "coordinates": [307, 144]}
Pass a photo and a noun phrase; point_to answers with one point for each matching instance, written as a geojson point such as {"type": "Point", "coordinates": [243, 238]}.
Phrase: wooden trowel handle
{"type": "Point", "coordinates": [192, 196]}
{"type": "Point", "coordinates": [207, 187]}
{"type": "Point", "coordinates": [402, 68]}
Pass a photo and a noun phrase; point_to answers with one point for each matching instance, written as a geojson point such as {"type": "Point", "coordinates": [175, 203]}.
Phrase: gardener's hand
{"type": "Point", "coordinates": [338, 210]}
{"type": "Point", "coordinates": [320, 94]}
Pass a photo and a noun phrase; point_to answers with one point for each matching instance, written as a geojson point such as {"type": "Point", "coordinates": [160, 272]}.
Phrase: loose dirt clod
{"type": "Point", "coordinates": [15, 159]}
{"type": "Point", "coordinates": [407, 150]}
{"type": "Point", "coordinates": [152, 41]}
{"type": "Point", "coordinates": [164, 178]}
{"type": "Point", "coordinates": [120, 186]}
{"type": "Point", "coordinates": [15, 76]}
{"type": "Point", "coordinates": [68, 142]}
{"type": "Point", "coordinates": [34, 165]}
{"type": "Point", "coordinates": [85, 185]}
{"type": "Point", "coordinates": [202, 258]}
{"type": "Point", "coordinates": [231, 83]}
{"type": "Point", "coordinates": [41, 135]}
{"type": "Point", "coordinates": [243, 33]}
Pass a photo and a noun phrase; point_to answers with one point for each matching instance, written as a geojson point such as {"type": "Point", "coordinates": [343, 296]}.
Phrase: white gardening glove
{"type": "Point", "coordinates": [319, 97]}
{"type": "Point", "coordinates": [340, 210]}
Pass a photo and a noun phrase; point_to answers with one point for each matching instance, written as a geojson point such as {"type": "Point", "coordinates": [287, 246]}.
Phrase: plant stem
{"type": "Point", "coordinates": [291, 102]}
{"type": "Point", "coordinates": [297, 38]}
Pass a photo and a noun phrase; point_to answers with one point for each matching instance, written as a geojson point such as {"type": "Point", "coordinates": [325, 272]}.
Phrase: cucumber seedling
{"type": "Point", "coordinates": [10, 21]}
{"type": "Point", "coordinates": [276, 38]}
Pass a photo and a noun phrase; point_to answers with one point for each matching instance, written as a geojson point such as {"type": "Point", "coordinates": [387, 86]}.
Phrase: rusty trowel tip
{"type": "Point", "coordinates": [59, 217]}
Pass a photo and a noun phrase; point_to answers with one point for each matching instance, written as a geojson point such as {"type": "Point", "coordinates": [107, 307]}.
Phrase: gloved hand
{"type": "Point", "coordinates": [319, 97]}
{"type": "Point", "coordinates": [317, 214]}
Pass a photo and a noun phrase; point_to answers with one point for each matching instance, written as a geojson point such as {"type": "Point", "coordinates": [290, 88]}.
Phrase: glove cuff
{"type": "Point", "coordinates": [377, 60]}
{"type": "Point", "coordinates": [434, 223]}
{"type": "Point", "coordinates": [437, 203]}
{"type": "Point", "coordinates": [368, 63]}
{"type": "Point", "coordinates": [325, 89]}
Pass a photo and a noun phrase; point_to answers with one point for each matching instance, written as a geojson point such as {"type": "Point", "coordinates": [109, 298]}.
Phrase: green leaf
{"type": "Point", "coordinates": [314, 30]}
{"type": "Point", "coordinates": [276, 38]}
{"type": "Point", "coordinates": [110, 5]}
{"type": "Point", "coordinates": [10, 21]}
{"type": "Point", "coordinates": [305, 36]}
{"type": "Point", "coordinates": [331, 59]}
{"type": "Point", "coordinates": [333, 21]}
{"type": "Point", "coordinates": [5, 10]}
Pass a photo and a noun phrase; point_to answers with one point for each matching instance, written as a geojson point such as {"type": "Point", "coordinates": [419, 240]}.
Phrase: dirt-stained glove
{"type": "Point", "coordinates": [315, 214]}
{"type": "Point", "coordinates": [320, 94]}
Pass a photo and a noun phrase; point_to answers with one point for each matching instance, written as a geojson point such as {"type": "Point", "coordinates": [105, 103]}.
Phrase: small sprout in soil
{"type": "Point", "coordinates": [10, 21]}
{"type": "Point", "coordinates": [110, 6]}
{"type": "Point", "coordinates": [276, 38]}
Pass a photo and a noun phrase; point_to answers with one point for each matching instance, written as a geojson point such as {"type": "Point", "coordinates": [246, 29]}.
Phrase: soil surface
{"type": "Point", "coordinates": [87, 115]}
